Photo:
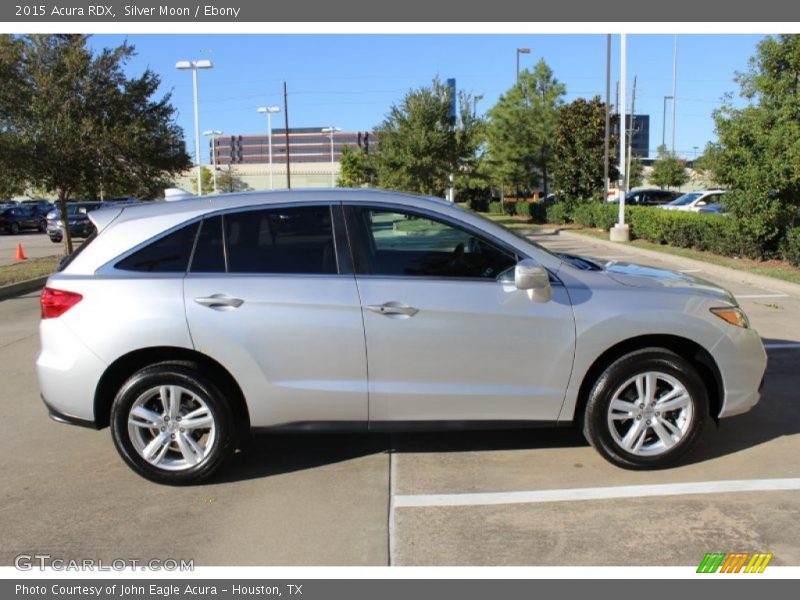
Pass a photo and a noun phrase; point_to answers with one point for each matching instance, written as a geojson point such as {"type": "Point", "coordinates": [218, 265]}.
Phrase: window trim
{"type": "Point", "coordinates": [357, 250]}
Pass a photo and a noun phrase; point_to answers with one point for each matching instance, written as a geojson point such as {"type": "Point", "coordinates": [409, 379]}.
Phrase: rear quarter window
{"type": "Point", "coordinates": [169, 254]}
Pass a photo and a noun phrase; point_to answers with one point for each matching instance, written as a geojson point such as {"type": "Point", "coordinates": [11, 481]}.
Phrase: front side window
{"type": "Point", "coordinates": [296, 240]}
{"type": "Point", "coordinates": [392, 243]}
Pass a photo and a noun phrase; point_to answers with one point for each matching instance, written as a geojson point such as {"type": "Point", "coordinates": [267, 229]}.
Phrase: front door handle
{"type": "Point", "coordinates": [393, 308]}
{"type": "Point", "coordinates": [220, 302]}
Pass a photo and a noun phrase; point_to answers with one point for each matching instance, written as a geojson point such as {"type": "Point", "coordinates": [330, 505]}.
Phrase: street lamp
{"type": "Point", "coordinates": [331, 130]}
{"type": "Point", "coordinates": [213, 133]}
{"type": "Point", "coordinates": [521, 51]}
{"type": "Point", "coordinates": [269, 111]}
{"type": "Point", "coordinates": [664, 120]}
{"type": "Point", "coordinates": [194, 65]}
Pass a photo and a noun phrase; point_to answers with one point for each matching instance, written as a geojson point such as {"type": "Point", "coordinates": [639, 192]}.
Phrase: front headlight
{"type": "Point", "coordinates": [59, 223]}
{"type": "Point", "coordinates": [733, 315]}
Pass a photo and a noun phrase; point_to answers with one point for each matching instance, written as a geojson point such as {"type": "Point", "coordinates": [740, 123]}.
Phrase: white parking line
{"type": "Point", "coordinates": [761, 295]}
{"type": "Point", "coordinates": [392, 496]}
{"type": "Point", "coordinates": [690, 270]}
{"type": "Point", "coordinates": [599, 493]}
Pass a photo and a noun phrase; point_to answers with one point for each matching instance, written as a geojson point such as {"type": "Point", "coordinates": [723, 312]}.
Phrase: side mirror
{"type": "Point", "coordinates": [530, 275]}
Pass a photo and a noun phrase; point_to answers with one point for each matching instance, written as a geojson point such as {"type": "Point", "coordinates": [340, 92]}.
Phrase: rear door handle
{"type": "Point", "coordinates": [220, 302]}
{"type": "Point", "coordinates": [393, 308]}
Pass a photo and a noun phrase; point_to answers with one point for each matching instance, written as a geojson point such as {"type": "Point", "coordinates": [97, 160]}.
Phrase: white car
{"type": "Point", "coordinates": [694, 201]}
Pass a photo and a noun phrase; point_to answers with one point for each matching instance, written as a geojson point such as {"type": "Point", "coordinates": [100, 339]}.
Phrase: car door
{"type": "Point", "coordinates": [449, 336]}
{"type": "Point", "coordinates": [271, 295]}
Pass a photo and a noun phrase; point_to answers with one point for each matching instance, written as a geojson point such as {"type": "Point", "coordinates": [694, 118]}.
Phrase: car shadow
{"type": "Point", "coordinates": [777, 415]}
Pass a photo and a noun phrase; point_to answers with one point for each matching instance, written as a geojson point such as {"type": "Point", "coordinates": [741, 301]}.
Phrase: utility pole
{"type": "Point", "coordinates": [286, 136]}
{"type": "Point", "coordinates": [608, 117]}
{"type": "Point", "coordinates": [674, 86]}
{"type": "Point", "coordinates": [631, 131]}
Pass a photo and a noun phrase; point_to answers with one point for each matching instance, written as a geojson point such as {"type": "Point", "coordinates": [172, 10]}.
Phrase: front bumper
{"type": "Point", "coordinates": [742, 362]}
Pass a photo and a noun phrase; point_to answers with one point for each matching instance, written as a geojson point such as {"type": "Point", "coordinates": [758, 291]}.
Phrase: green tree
{"type": "Point", "coordinates": [520, 129]}
{"type": "Point", "coordinates": [578, 150]}
{"type": "Point", "coordinates": [206, 181]}
{"type": "Point", "coordinates": [636, 173]}
{"type": "Point", "coordinates": [668, 170]}
{"type": "Point", "coordinates": [758, 150]}
{"type": "Point", "coordinates": [228, 181]}
{"type": "Point", "coordinates": [357, 168]}
{"type": "Point", "coordinates": [420, 145]}
{"type": "Point", "coordinates": [76, 123]}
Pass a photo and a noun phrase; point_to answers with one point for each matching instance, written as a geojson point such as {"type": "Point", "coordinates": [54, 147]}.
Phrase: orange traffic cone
{"type": "Point", "coordinates": [20, 252]}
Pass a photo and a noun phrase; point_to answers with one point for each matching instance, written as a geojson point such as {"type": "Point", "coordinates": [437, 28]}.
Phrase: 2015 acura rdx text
{"type": "Point", "coordinates": [185, 325]}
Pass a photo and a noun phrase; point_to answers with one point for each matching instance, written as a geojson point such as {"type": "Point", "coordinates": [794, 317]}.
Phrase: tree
{"type": "Point", "coordinates": [636, 172]}
{"type": "Point", "coordinates": [520, 129]}
{"type": "Point", "coordinates": [229, 182]}
{"type": "Point", "coordinates": [578, 150]}
{"type": "Point", "coordinates": [75, 123]}
{"type": "Point", "coordinates": [206, 181]}
{"type": "Point", "coordinates": [668, 170]}
{"type": "Point", "coordinates": [357, 169]}
{"type": "Point", "coordinates": [420, 145]}
{"type": "Point", "coordinates": [757, 154]}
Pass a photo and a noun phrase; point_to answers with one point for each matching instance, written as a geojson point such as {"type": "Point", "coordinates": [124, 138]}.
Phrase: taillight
{"type": "Point", "coordinates": [56, 302]}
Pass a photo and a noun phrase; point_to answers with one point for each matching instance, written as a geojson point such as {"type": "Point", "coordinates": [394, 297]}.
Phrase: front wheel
{"type": "Point", "coordinates": [172, 425]}
{"type": "Point", "coordinates": [14, 229]}
{"type": "Point", "coordinates": [646, 410]}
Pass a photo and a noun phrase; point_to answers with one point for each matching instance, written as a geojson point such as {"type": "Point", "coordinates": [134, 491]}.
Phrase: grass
{"type": "Point", "coordinates": [777, 269]}
{"type": "Point", "coordinates": [28, 269]}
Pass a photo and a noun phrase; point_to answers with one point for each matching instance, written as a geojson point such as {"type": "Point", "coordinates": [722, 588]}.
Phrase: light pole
{"type": "Point", "coordinates": [664, 121]}
{"type": "Point", "coordinates": [269, 111]}
{"type": "Point", "coordinates": [521, 51]}
{"type": "Point", "coordinates": [194, 65]}
{"type": "Point", "coordinates": [331, 130]}
{"type": "Point", "coordinates": [621, 231]}
{"type": "Point", "coordinates": [213, 133]}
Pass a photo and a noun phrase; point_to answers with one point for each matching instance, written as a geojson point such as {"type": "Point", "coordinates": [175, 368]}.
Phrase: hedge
{"type": "Point", "coordinates": [790, 249]}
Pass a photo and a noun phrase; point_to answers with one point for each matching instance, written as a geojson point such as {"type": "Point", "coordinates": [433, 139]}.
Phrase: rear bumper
{"type": "Point", "coordinates": [68, 373]}
{"type": "Point", "coordinates": [60, 417]}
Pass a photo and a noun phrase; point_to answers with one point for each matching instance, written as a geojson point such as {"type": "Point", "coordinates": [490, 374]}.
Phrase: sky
{"type": "Point", "coordinates": [351, 81]}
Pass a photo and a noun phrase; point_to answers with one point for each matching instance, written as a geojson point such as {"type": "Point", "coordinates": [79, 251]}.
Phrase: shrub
{"type": "Point", "coordinates": [557, 213]}
{"type": "Point", "coordinates": [583, 214]}
{"type": "Point", "coordinates": [790, 248]}
{"type": "Point", "coordinates": [538, 212]}
{"type": "Point", "coordinates": [495, 208]}
{"type": "Point", "coordinates": [604, 215]}
{"type": "Point", "coordinates": [523, 208]}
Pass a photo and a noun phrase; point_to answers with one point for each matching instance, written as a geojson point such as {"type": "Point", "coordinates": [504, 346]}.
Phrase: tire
{"type": "Point", "coordinates": [14, 229]}
{"type": "Point", "coordinates": [42, 226]}
{"type": "Point", "coordinates": [177, 455]}
{"type": "Point", "coordinates": [642, 430]}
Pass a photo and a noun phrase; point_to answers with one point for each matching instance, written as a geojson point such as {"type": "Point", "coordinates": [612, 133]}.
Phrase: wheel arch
{"type": "Point", "coordinates": [123, 367]}
{"type": "Point", "coordinates": [700, 358]}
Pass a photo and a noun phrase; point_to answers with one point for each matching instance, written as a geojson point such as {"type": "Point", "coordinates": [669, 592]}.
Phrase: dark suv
{"type": "Point", "coordinates": [650, 197]}
{"type": "Point", "coordinates": [13, 220]}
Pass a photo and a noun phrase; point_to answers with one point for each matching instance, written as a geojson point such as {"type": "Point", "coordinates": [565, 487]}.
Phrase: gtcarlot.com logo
{"type": "Point", "coordinates": [738, 562]}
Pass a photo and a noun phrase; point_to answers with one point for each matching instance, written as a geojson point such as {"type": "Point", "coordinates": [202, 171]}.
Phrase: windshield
{"type": "Point", "coordinates": [686, 199]}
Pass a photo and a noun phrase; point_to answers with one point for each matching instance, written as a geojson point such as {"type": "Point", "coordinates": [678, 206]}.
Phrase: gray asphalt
{"type": "Point", "coordinates": [34, 244]}
{"type": "Point", "coordinates": [326, 500]}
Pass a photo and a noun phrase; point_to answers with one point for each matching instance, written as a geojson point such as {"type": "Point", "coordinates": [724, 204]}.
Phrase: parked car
{"type": "Point", "coordinates": [40, 208]}
{"type": "Point", "coordinates": [649, 197]}
{"type": "Point", "coordinates": [694, 201]}
{"type": "Point", "coordinates": [713, 209]}
{"type": "Point", "coordinates": [185, 325]}
{"type": "Point", "coordinates": [20, 218]}
{"type": "Point", "coordinates": [77, 217]}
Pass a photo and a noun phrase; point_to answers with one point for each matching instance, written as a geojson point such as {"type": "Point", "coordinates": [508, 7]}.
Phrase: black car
{"type": "Point", "coordinates": [648, 197]}
{"type": "Point", "coordinates": [14, 220]}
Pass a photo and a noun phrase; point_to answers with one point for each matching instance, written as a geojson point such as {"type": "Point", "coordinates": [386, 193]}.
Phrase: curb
{"type": "Point", "coordinates": [769, 283]}
{"type": "Point", "coordinates": [22, 287]}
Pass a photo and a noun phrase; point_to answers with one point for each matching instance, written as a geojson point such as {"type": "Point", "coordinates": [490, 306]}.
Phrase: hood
{"type": "Point", "coordinates": [641, 276]}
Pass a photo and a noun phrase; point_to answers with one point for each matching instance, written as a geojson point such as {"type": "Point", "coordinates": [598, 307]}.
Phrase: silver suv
{"type": "Point", "coordinates": [185, 325]}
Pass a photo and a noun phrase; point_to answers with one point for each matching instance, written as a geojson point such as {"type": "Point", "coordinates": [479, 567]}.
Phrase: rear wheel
{"type": "Point", "coordinates": [42, 226]}
{"type": "Point", "coordinates": [172, 425]}
{"type": "Point", "coordinates": [646, 410]}
{"type": "Point", "coordinates": [14, 228]}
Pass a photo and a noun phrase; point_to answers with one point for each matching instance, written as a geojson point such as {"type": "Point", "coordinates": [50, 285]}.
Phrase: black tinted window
{"type": "Point", "coordinates": [169, 254]}
{"type": "Point", "coordinates": [281, 240]}
{"type": "Point", "coordinates": [209, 256]}
{"type": "Point", "coordinates": [394, 243]}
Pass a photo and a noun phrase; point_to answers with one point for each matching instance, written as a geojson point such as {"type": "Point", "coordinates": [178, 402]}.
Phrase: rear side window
{"type": "Point", "coordinates": [297, 240]}
{"type": "Point", "coordinates": [169, 254]}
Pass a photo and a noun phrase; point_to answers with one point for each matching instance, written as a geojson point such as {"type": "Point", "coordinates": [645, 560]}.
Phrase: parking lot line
{"type": "Point", "coordinates": [781, 345]}
{"type": "Point", "coordinates": [689, 270]}
{"type": "Point", "coordinates": [392, 496]}
{"type": "Point", "coordinates": [761, 295]}
{"type": "Point", "coordinates": [597, 493]}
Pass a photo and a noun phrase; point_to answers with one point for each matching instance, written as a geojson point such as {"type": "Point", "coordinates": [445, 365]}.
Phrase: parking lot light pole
{"type": "Point", "coordinates": [269, 111]}
{"type": "Point", "coordinates": [213, 133]}
{"type": "Point", "coordinates": [331, 130]}
{"type": "Point", "coordinates": [521, 51]}
{"type": "Point", "coordinates": [194, 65]}
{"type": "Point", "coordinates": [621, 231]}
